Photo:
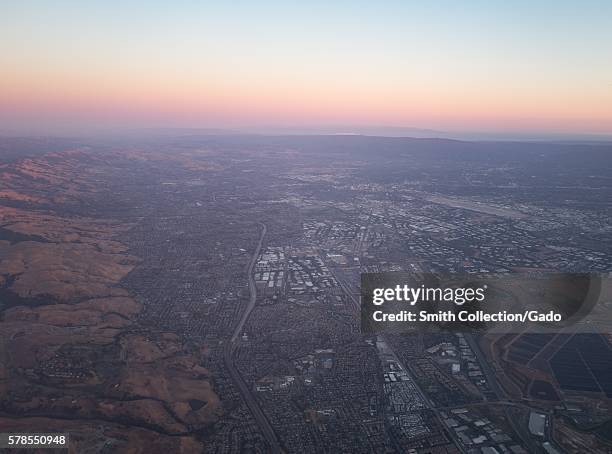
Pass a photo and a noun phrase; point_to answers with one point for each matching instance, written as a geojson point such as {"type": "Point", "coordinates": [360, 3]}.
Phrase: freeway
{"type": "Point", "coordinates": [252, 287]}
{"type": "Point", "coordinates": [230, 348]}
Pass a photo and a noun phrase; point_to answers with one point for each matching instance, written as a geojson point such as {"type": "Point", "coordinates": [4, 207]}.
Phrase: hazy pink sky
{"type": "Point", "coordinates": [476, 66]}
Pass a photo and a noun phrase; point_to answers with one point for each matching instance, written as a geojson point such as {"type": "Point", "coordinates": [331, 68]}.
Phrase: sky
{"type": "Point", "coordinates": [519, 67]}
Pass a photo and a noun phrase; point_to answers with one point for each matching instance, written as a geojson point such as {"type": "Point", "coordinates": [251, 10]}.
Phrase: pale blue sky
{"type": "Point", "coordinates": [441, 64]}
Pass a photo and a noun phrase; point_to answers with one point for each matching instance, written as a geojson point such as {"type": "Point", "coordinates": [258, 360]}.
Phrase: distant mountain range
{"type": "Point", "coordinates": [382, 131]}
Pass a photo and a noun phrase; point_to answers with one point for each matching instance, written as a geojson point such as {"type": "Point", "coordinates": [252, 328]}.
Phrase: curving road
{"type": "Point", "coordinates": [252, 287]}
{"type": "Point", "coordinates": [230, 348]}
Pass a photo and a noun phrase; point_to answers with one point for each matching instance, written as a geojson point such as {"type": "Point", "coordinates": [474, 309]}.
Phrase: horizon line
{"type": "Point", "coordinates": [467, 136]}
